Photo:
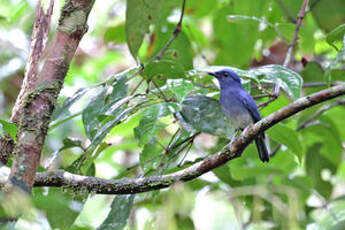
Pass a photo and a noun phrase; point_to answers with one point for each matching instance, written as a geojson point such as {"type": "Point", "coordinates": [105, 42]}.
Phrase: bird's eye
{"type": "Point", "coordinates": [226, 74]}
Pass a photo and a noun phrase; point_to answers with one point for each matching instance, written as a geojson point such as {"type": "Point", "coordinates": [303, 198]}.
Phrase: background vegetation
{"type": "Point", "coordinates": [134, 105]}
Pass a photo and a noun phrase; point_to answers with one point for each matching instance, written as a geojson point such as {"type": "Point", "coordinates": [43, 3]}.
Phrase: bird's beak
{"type": "Point", "coordinates": [212, 73]}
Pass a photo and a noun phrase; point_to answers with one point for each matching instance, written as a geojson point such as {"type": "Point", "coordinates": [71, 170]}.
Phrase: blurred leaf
{"type": "Point", "coordinates": [223, 174]}
{"type": "Point", "coordinates": [288, 137]}
{"type": "Point", "coordinates": [236, 42]}
{"type": "Point", "coordinates": [326, 132]}
{"type": "Point", "coordinates": [340, 58]}
{"type": "Point", "coordinates": [312, 72]}
{"type": "Point", "coordinates": [120, 210]}
{"type": "Point", "coordinates": [336, 37]}
{"type": "Point", "coordinates": [331, 218]}
{"type": "Point", "coordinates": [328, 16]}
{"type": "Point", "coordinates": [315, 163]}
{"type": "Point", "coordinates": [179, 87]}
{"type": "Point", "coordinates": [115, 34]}
{"type": "Point", "coordinates": [70, 142]}
{"type": "Point", "coordinates": [140, 14]}
{"type": "Point", "coordinates": [9, 128]}
{"type": "Point", "coordinates": [165, 68]}
{"type": "Point", "coordinates": [149, 124]}
{"type": "Point", "coordinates": [206, 115]}
{"type": "Point", "coordinates": [59, 207]}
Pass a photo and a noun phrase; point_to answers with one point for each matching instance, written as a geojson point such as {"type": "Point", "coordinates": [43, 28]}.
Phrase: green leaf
{"type": "Point", "coordinates": [206, 115]}
{"type": "Point", "coordinates": [340, 57]}
{"type": "Point", "coordinates": [149, 124]}
{"type": "Point", "coordinates": [180, 51]}
{"type": "Point", "coordinates": [115, 34]}
{"type": "Point", "coordinates": [149, 156]}
{"type": "Point", "coordinates": [140, 14]}
{"type": "Point", "coordinates": [9, 128]}
{"type": "Point", "coordinates": [179, 87]}
{"type": "Point", "coordinates": [104, 104]}
{"type": "Point", "coordinates": [328, 16]}
{"type": "Point", "coordinates": [165, 68]}
{"type": "Point", "coordinates": [336, 37]}
{"type": "Point", "coordinates": [288, 137]}
{"type": "Point", "coordinates": [332, 218]}
{"type": "Point", "coordinates": [120, 210]}
{"type": "Point", "coordinates": [62, 111]}
{"type": "Point", "coordinates": [91, 112]}
{"type": "Point", "coordinates": [59, 207]}
{"type": "Point", "coordinates": [315, 163]}
{"type": "Point", "coordinates": [290, 81]}
{"type": "Point", "coordinates": [70, 142]}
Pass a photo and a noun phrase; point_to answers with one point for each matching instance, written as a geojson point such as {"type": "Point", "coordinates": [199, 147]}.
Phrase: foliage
{"type": "Point", "coordinates": [117, 119]}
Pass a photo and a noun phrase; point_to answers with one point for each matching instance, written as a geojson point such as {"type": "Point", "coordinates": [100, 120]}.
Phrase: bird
{"type": "Point", "coordinates": [239, 107]}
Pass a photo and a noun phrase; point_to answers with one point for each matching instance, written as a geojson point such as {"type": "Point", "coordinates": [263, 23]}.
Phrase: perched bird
{"type": "Point", "coordinates": [239, 107]}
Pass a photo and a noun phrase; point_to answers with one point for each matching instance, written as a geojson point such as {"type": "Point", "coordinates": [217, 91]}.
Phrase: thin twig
{"type": "Point", "coordinates": [176, 32]}
{"type": "Point", "coordinates": [261, 96]}
{"type": "Point", "coordinates": [292, 45]}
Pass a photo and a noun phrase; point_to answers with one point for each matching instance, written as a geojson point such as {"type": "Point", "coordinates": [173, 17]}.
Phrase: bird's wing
{"type": "Point", "coordinates": [250, 105]}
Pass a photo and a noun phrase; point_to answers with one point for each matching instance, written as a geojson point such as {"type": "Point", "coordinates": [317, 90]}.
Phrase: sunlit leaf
{"type": "Point", "coordinates": [149, 124]}
{"type": "Point", "coordinates": [336, 37]}
{"type": "Point", "coordinates": [104, 104]}
{"type": "Point", "coordinates": [179, 87]}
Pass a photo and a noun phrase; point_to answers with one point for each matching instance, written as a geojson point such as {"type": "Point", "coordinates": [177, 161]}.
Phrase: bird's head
{"type": "Point", "coordinates": [226, 78]}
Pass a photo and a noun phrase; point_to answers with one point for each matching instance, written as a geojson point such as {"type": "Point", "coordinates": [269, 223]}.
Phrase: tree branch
{"type": "Point", "coordinates": [137, 185]}
{"type": "Point", "coordinates": [292, 45]}
{"type": "Point", "coordinates": [38, 103]}
{"type": "Point", "coordinates": [39, 40]}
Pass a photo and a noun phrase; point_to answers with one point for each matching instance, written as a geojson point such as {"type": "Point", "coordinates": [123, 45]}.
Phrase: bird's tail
{"type": "Point", "coordinates": [262, 149]}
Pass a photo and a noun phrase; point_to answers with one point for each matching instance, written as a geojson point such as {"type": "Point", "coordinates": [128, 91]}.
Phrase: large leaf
{"type": "Point", "coordinates": [315, 163]}
{"type": "Point", "coordinates": [179, 87]}
{"type": "Point", "coordinates": [288, 80]}
{"type": "Point", "coordinates": [140, 14]}
{"type": "Point", "coordinates": [119, 213]}
{"type": "Point", "coordinates": [149, 124]}
{"type": "Point", "coordinates": [288, 137]}
{"type": "Point", "coordinates": [58, 205]}
{"type": "Point", "coordinates": [336, 37]}
{"type": "Point", "coordinates": [104, 104]}
{"type": "Point", "coordinates": [165, 68]}
{"type": "Point", "coordinates": [206, 115]}
{"type": "Point", "coordinates": [115, 34]}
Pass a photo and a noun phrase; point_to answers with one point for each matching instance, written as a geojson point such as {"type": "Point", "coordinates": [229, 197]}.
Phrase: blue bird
{"type": "Point", "coordinates": [239, 107]}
